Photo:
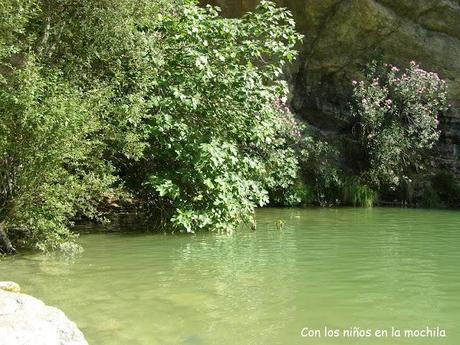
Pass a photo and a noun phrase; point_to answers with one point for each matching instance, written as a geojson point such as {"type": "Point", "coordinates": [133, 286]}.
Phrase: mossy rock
{"type": "Point", "coordinates": [10, 286]}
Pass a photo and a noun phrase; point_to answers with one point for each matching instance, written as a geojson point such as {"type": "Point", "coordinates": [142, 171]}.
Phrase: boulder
{"type": "Point", "coordinates": [25, 320]}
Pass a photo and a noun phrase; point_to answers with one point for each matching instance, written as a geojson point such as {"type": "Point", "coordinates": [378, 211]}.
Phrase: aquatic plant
{"type": "Point", "coordinates": [355, 193]}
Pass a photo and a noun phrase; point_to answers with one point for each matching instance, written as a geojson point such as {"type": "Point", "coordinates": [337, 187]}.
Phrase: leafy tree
{"type": "Point", "coordinates": [47, 166]}
{"type": "Point", "coordinates": [218, 142]}
{"type": "Point", "coordinates": [58, 91]}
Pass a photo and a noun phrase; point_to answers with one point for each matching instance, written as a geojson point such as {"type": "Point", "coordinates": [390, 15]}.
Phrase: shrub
{"type": "Point", "coordinates": [396, 120]}
{"type": "Point", "coordinates": [447, 188]}
{"type": "Point", "coordinates": [319, 170]}
{"type": "Point", "coordinates": [49, 171]}
{"type": "Point", "coordinates": [430, 197]}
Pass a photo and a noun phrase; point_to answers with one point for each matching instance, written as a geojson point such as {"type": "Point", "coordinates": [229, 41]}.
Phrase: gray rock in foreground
{"type": "Point", "coordinates": [25, 320]}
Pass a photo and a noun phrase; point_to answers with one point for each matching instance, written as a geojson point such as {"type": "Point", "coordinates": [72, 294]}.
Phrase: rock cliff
{"type": "Point", "coordinates": [342, 35]}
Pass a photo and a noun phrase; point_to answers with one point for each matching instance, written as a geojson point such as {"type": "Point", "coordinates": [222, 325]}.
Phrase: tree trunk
{"type": "Point", "coordinates": [5, 245]}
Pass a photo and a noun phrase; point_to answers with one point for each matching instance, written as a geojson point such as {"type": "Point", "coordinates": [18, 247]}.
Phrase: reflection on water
{"type": "Point", "coordinates": [339, 268]}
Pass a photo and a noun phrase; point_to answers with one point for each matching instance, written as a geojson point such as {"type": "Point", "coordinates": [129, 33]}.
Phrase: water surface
{"type": "Point", "coordinates": [340, 268]}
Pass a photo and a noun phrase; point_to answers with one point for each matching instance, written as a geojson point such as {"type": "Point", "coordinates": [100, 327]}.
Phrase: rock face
{"type": "Point", "coordinates": [25, 320]}
{"type": "Point", "coordinates": [342, 35]}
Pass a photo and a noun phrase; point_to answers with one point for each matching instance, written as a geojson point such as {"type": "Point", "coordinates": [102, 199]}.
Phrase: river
{"type": "Point", "coordinates": [371, 269]}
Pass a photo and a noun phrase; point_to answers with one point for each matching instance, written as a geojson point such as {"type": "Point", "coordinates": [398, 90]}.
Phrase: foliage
{"type": "Point", "coordinates": [15, 15]}
{"type": "Point", "coordinates": [297, 194]}
{"type": "Point", "coordinates": [355, 193]}
{"type": "Point", "coordinates": [68, 107]}
{"type": "Point", "coordinates": [218, 141]}
{"type": "Point", "coordinates": [161, 98]}
{"type": "Point", "coordinates": [48, 168]}
{"type": "Point", "coordinates": [396, 115]}
{"type": "Point", "coordinates": [102, 48]}
{"type": "Point", "coordinates": [320, 170]}
{"type": "Point", "coordinates": [447, 188]}
{"type": "Point", "coordinates": [328, 182]}
{"type": "Point", "coordinates": [430, 197]}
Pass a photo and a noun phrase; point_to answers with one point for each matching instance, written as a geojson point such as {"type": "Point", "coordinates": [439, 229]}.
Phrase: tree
{"type": "Point", "coordinates": [52, 164]}
{"type": "Point", "coordinates": [217, 140]}
{"type": "Point", "coordinates": [49, 170]}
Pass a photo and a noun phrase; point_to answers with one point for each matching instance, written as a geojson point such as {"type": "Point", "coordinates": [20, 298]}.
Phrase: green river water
{"type": "Point", "coordinates": [337, 268]}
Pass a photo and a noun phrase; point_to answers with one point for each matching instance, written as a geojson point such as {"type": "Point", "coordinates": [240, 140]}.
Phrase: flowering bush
{"type": "Point", "coordinates": [396, 114]}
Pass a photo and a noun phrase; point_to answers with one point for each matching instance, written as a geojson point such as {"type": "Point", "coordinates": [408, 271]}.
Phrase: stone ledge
{"type": "Point", "coordinates": [25, 320]}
